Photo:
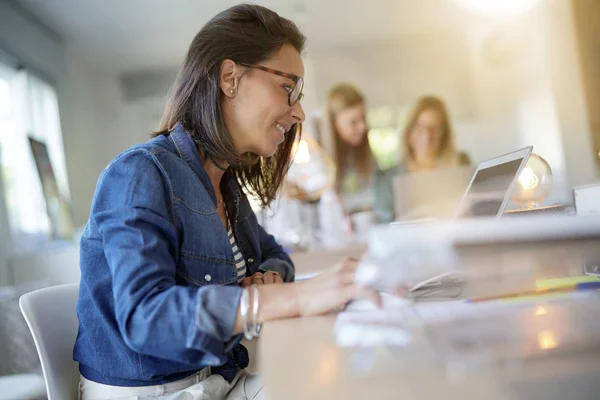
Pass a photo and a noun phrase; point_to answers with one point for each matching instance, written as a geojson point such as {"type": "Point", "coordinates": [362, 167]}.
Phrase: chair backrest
{"type": "Point", "coordinates": [51, 317]}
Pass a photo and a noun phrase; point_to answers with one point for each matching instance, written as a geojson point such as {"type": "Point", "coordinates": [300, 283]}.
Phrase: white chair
{"type": "Point", "coordinates": [51, 317]}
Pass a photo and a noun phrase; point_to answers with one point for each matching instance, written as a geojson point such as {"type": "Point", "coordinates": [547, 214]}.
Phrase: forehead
{"type": "Point", "coordinates": [355, 111]}
{"type": "Point", "coordinates": [429, 114]}
{"type": "Point", "coordinates": [286, 59]}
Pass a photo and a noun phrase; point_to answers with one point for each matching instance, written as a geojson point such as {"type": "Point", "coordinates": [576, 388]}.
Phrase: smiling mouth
{"type": "Point", "coordinates": [281, 128]}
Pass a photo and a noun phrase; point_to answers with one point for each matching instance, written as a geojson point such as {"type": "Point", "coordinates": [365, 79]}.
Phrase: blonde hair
{"type": "Point", "coordinates": [447, 154]}
{"type": "Point", "coordinates": [341, 97]}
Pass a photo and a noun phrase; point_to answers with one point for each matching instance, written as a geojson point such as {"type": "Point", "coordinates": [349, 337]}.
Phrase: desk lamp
{"type": "Point", "coordinates": [534, 183]}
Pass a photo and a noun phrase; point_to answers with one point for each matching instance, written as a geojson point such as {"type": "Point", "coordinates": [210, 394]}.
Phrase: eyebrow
{"type": "Point", "coordinates": [275, 71]}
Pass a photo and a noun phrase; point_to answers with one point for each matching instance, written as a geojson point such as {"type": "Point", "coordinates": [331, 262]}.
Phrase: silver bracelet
{"type": "Point", "coordinates": [255, 325]}
{"type": "Point", "coordinates": [244, 306]}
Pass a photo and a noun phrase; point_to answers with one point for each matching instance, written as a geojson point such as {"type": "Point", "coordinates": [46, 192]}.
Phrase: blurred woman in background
{"type": "Point", "coordinates": [428, 139]}
{"type": "Point", "coordinates": [347, 143]}
{"type": "Point", "coordinates": [428, 144]}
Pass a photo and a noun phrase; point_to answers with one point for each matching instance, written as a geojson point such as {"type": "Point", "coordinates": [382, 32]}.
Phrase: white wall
{"type": "Point", "coordinates": [514, 97]}
{"type": "Point", "coordinates": [82, 137]}
{"type": "Point", "coordinates": [394, 72]}
{"type": "Point", "coordinates": [96, 127]}
{"type": "Point", "coordinates": [30, 42]}
{"type": "Point", "coordinates": [53, 266]}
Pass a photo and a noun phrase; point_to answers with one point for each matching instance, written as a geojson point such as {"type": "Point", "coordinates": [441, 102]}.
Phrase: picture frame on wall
{"type": "Point", "coordinates": [57, 206]}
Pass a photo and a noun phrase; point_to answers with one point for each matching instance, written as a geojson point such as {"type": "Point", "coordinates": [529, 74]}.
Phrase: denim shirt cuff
{"type": "Point", "coordinates": [284, 268]}
{"type": "Point", "coordinates": [216, 311]}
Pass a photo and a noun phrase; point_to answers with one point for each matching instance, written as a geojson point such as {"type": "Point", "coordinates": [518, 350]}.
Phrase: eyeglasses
{"type": "Point", "coordinates": [423, 130]}
{"type": "Point", "coordinates": [295, 93]}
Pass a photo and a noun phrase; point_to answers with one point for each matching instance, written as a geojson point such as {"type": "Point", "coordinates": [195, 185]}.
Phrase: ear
{"type": "Point", "coordinates": [228, 77]}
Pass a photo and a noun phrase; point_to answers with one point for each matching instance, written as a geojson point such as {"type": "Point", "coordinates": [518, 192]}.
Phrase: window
{"type": "Point", "coordinates": [28, 108]}
{"type": "Point", "coordinates": [385, 130]}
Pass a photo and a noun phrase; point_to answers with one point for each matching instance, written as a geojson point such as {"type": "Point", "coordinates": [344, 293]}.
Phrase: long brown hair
{"type": "Point", "coordinates": [245, 34]}
{"type": "Point", "coordinates": [341, 97]}
{"type": "Point", "coordinates": [447, 154]}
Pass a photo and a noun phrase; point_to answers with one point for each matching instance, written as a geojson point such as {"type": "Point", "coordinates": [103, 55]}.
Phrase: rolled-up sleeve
{"type": "Point", "coordinates": [134, 214]}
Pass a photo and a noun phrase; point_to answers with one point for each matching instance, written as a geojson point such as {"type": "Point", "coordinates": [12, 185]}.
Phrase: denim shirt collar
{"type": "Point", "coordinates": [186, 147]}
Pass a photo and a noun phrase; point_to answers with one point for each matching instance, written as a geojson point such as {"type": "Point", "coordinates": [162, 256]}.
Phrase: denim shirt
{"type": "Point", "coordinates": [159, 295]}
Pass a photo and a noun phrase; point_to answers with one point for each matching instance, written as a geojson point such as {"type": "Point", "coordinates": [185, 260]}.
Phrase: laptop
{"type": "Point", "coordinates": [492, 184]}
{"type": "Point", "coordinates": [459, 192]}
{"type": "Point", "coordinates": [430, 194]}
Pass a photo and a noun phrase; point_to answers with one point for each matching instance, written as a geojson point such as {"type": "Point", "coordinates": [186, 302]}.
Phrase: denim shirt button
{"type": "Point", "coordinates": [207, 277]}
{"type": "Point", "coordinates": [250, 260]}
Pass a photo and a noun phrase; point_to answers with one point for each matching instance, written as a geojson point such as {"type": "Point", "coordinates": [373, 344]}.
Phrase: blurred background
{"type": "Point", "coordinates": [88, 79]}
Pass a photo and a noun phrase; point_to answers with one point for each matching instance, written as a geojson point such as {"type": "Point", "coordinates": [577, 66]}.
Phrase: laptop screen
{"type": "Point", "coordinates": [489, 189]}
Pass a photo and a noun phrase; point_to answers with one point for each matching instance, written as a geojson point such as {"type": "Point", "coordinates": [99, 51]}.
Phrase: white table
{"type": "Point", "coordinates": [299, 360]}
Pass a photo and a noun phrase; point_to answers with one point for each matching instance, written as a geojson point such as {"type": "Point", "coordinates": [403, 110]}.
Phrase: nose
{"type": "Point", "coordinates": [297, 112]}
{"type": "Point", "coordinates": [362, 127]}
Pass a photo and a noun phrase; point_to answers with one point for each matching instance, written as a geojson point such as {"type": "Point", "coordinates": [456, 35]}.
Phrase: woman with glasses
{"type": "Point", "coordinates": [428, 140]}
{"type": "Point", "coordinates": [428, 144]}
{"type": "Point", "coordinates": [175, 269]}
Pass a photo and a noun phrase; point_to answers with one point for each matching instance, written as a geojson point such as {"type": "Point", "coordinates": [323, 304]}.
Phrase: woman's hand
{"type": "Point", "coordinates": [260, 278]}
{"type": "Point", "coordinates": [331, 290]}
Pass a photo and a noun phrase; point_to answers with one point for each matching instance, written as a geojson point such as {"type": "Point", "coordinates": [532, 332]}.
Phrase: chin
{"type": "Point", "coordinates": [270, 147]}
{"type": "Point", "coordinates": [266, 152]}
{"type": "Point", "coordinates": [357, 143]}
{"type": "Point", "coordinates": [271, 152]}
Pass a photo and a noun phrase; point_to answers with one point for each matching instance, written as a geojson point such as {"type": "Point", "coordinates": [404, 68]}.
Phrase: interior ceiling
{"type": "Point", "coordinates": [133, 35]}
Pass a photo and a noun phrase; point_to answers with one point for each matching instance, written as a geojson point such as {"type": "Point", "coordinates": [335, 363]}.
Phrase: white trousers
{"type": "Point", "coordinates": [200, 386]}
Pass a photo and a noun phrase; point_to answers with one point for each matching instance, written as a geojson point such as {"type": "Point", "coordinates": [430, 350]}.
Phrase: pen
{"type": "Point", "coordinates": [533, 292]}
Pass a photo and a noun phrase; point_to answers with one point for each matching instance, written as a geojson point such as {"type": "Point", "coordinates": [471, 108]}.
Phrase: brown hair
{"type": "Point", "coordinates": [245, 34]}
{"type": "Point", "coordinates": [340, 97]}
{"type": "Point", "coordinates": [447, 155]}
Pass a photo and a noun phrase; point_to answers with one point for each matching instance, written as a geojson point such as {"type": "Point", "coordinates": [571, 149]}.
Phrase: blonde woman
{"type": "Point", "coordinates": [428, 144]}
{"type": "Point", "coordinates": [428, 140]}
{"type": "Point", "coordinates": [345, 139]}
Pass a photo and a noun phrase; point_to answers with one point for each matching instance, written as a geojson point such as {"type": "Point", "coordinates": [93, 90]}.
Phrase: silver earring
{"type": "Point", "coordinates": [231, 91]}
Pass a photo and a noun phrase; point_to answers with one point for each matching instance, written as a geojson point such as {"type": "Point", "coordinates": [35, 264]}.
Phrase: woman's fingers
{"type": "Point", "coordinates": [246, 282]}
{"type": "Point", "coordinates": [257, 279]}
{"type": "Point", "coordinates": [262, 278]}
{"type": "Point", "coordinates": [372, 295]}
{"type": "Point", "coordinates": [268, 278]}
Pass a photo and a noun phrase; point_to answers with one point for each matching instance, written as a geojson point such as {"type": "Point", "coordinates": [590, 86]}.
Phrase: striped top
{"type": "Point", "coordinates": [238, 257]}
